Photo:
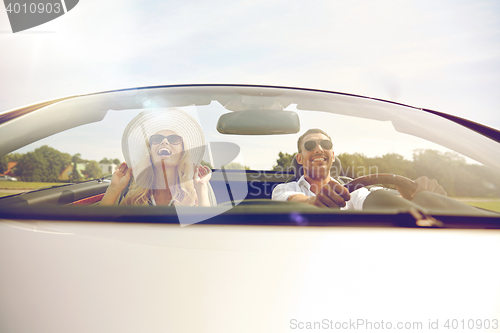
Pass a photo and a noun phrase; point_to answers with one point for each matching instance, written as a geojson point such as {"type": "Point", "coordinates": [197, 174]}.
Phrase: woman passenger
{"type": "Point", "coordinates": [163, 152]}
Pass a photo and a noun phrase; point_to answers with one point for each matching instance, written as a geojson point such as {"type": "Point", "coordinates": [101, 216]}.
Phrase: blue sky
{"type": "Point", "coordinates": [439, 55]}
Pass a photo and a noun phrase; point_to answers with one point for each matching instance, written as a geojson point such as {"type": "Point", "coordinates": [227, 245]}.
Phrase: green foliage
{"type": "Point", "coordinates": [353, 163]}
{"type": "Point", "coordinates": [44, 164]}
{"type": "Point", "coordinates": [109, 161]}
{"type": "Point", "coordinates": [77, 158]}
{"type": "Point", "coordinates": [236, 166]}
{"type": "Point", "coordinates": [4, 160]}
{"type": "Point", "coordinates": [450, 170]}
{"type": "Point", "coordinates": [283, 162]}
{"type": "Point", "coordinates": [206, 164]}
{"type": "Point", "coordinates": [92, 170]}
{"type": "Point", "coordinates": [75, 175]}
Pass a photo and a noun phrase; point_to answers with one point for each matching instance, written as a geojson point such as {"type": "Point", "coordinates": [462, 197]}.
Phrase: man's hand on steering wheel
{"type": "Point", "coordinates": [423, 184]}
{"type": "Point", "coordinates": [331, 195]}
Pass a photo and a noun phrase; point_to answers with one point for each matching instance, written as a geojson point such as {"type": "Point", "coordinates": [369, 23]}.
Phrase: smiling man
{"type": "Point", "coordinates": [318, 188]}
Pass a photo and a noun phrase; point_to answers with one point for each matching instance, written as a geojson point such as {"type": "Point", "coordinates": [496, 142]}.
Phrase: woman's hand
{"type": "Point", "coordinates": [119, 181]}
{"type": "Point", "coordinates": [202, 175]}
{"type": "Point", "coordinates": [121, 177]}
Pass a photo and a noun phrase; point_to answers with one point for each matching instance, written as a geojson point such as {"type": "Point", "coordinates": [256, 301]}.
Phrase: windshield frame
{"type": "Point", "coordinates": [97, 105]}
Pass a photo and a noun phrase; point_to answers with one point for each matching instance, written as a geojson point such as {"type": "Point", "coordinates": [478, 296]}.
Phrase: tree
{"type": "Point", "coordinates": [206, 164]}
{"type": "Point", "coordinates": [75, 175]}
{"type": "Point", "coordinates": [105, 161]}
{"type": "Point", "coordinates": [116, 161]}
{"type": "Point", "coordinates": [395, 164]}
{"type": "Point", "coordinates": [443, 167]}
{"type": "Point", "coordinates": [236, 166]}
{"type": "Point", "coordinates": [283, 162]}
{"type": "Point", "coordinates": [32, 167]}
{"type": "Point", "coordinates": [44, 164]}
{"type": "Point", "coordinates": [56, 160]}
{"type": "Point", "coordinates": [355, 165]}
{"type": "Point", "coordinates": [4, 161]}
{"type": "Point", "coordinates": [92, 170]}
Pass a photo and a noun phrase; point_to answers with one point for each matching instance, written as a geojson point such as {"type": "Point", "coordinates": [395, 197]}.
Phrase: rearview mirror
{"type": "Point", "coordinates": [259, 122]}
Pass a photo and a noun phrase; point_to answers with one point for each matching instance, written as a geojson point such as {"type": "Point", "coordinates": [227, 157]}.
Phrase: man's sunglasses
{"type": "Point", "coordinates": [325, 144]}
{"type": "Point", "coordinates": [156, 139]}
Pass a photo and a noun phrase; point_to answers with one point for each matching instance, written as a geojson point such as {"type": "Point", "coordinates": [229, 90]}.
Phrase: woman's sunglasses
{"type": "Point", "coordinates": [156, 139]}
{"type": "Point", "coordinates": [325, 144]}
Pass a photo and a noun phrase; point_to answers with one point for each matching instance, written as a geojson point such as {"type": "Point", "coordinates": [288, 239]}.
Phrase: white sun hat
{"type": "Point", "coordinates": [135, 139]}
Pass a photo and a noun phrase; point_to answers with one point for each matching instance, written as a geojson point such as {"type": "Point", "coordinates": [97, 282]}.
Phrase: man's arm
{"type": "Point", "coordinates": [332, 195]}
{"type": "Point", "coordinates": [299, 197]}
{"type": "Point", "coordinates": [423, 184]}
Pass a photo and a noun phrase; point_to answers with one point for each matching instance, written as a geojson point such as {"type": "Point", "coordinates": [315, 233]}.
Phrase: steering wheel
{"type": "Point", "coordinates": [381, 178]}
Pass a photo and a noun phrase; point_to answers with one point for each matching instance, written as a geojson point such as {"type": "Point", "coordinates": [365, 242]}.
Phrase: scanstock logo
{"type": "Point", "coordinates": [28, 14]}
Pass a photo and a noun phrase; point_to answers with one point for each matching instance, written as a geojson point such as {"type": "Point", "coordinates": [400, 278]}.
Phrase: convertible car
{"type": "Point", "coordinates": [249, 263]}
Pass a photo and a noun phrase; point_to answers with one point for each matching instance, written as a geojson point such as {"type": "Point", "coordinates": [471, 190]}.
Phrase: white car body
{"type": "Point", "coordinates": [271, 269]}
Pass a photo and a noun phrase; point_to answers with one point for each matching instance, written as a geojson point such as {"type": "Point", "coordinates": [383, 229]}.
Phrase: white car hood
{"type": "Point", "coordinates": [127, 277]}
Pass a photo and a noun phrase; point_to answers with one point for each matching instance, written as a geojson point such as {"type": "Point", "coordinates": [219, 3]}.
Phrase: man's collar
{"type": "Point", "coordinates": [302, 180]}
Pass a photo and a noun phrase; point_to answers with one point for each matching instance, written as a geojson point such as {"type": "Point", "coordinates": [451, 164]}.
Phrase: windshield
{"type": "Point", "coordinates": [84, 141]}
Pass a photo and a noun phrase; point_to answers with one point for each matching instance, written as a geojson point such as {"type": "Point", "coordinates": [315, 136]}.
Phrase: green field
{"type": "Point", "coordinates": [486, 203]}
{"type": "Point", "coordinates": [493, 205]}
{"type": "Point", "coordinates": [25, 185]}
{"type": "Point", "coordinates": [9, 188]}
{"type": "Point", "coordinates": [2, 194]}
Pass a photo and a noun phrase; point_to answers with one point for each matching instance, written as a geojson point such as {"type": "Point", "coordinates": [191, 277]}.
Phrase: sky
{"type": "Point", "coordinates": [440, 55]}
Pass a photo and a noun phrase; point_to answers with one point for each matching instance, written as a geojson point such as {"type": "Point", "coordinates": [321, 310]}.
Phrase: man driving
{"type": "Point", "coordinates": [318, 188]}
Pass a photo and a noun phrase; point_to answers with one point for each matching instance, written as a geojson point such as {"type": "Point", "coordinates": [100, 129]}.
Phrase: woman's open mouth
{"type": "Point", "coordinates": [164, 152]}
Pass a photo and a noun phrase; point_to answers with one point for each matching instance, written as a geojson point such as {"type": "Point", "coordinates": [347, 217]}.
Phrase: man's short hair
{"type": "Point", "coordinates": [310, 131]}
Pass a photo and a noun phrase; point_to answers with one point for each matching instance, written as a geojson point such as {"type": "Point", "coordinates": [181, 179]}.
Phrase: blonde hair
{"type": "Point", "coordinates": [183, 192]}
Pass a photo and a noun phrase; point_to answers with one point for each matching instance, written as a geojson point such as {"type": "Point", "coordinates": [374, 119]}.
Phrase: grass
{"type": "Point", "coordinates": [24, 185]}
{"type": "Point", "coordinates": [490, 205]}
{"type": "Point", "coordinates": [2, 194]}
{"type": "Point", "coordinates": [485, 203]}
{"type": "Point", "coordinates": [18, 187]}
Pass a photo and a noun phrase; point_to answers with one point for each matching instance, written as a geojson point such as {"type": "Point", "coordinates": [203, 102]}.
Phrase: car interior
{"type": "Point", "coordinates": [247, 127]}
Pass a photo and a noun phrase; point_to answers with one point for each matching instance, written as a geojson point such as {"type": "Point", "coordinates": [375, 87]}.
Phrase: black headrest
{"type": "Point", "coordinates": [335, 170]}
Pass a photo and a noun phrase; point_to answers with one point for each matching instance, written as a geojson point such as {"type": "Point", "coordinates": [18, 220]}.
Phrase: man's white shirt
{"type": "Point", "coordinates": [283, 191]}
